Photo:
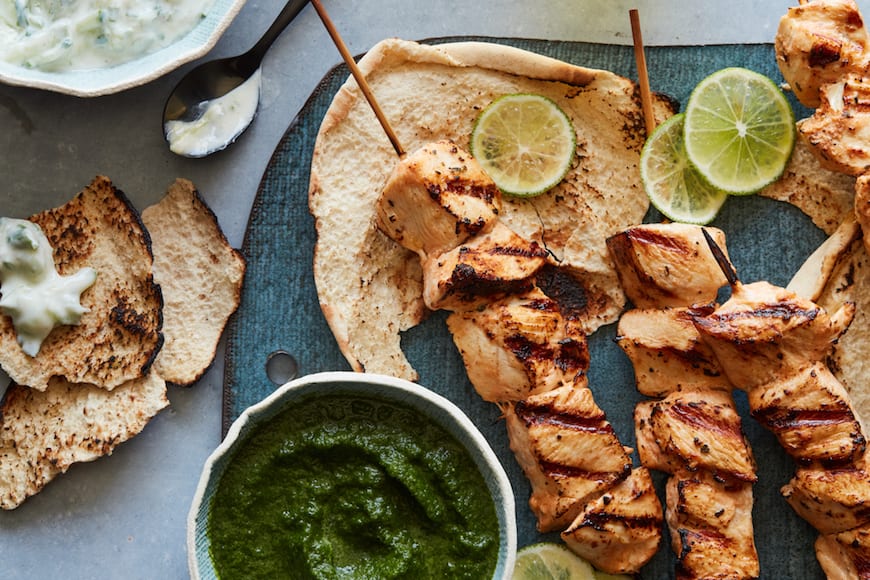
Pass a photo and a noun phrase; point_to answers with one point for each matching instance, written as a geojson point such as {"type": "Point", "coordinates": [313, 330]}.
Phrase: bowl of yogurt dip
{"type": "Point", "coordinates": [96, 47]}
{"type": "Point", "coordinates": [353, 475]}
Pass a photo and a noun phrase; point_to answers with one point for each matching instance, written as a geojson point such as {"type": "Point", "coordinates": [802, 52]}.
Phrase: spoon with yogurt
{"type": "Point", "coordinates": [216, 101]}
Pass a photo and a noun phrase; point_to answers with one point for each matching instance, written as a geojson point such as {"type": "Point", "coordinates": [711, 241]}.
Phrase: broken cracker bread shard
{"type": "Point", "coordinates": [119, 337]}
{"type": "Point", "coordinates": [44, 432]}
{"type": "Point", "coordinates": [201, 277]}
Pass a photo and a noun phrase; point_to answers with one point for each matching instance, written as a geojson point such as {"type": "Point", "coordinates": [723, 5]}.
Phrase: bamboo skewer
{"type": "Point", "coordinates": [642, 74]}
{"type": "Point", "coordinates": [358, 76]}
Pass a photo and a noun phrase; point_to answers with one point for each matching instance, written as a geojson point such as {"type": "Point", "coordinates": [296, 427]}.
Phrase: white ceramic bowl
{"type": "Point", "coordinates": [381, 387]}
{"type": "Point", "coordinates": [92, 83]}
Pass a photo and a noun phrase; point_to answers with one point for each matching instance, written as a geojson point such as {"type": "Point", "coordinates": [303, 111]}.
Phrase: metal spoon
{"type": "Point", "coordinates": [203, 85]}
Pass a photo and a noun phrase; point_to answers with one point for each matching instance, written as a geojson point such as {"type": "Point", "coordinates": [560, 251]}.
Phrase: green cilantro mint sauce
{"type": "Point", "coordinates": [347, 487]}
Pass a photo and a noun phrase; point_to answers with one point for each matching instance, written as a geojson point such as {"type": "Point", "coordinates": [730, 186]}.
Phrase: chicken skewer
{"type": "Point", "coordinates": [691, 430]}
{"type": "Point", "coordinates": [524, 351]}
{"type": "Point", "coordinates": [772, 343]}
{"type": "Point", "coordinates": [439, 203]}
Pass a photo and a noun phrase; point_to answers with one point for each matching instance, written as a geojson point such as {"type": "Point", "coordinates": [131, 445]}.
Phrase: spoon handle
{"type": "Point", "coordinates": [251, 59]}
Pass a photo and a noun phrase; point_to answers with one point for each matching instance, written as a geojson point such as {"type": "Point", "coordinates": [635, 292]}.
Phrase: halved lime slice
{"type": "Point", "coordinates": [673, 185]}
{"type": "Point", "coordinates": [524, 142]}
{"type": "Point", "coordinates": [739, 130]}
{"type": "Point", "coordinates": [548, 560]}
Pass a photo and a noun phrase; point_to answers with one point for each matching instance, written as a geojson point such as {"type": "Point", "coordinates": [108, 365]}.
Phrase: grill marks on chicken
{"type": "Point", "coordinates": [516, 320]}
{"type": "Point", "coordinates": [773, 344]}
{"type": "Point", "coordinates": [519, 346]}
{"type": "Point", "coordinates": [692, 431]}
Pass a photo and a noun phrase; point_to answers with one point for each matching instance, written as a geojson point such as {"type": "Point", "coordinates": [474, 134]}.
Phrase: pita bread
{"type": "Point", "coordinates": [369, 287]}
{"type": "Point", "coordinates": [849, 281]}
{"type": "Point", "coordinates": [201, 278]}
{"type": "Point", "coordinates": [119, 336]}
{"type": "Point", "coordinates": [825, 196]}
{"type": "Point", "coordinates": [43, 433]}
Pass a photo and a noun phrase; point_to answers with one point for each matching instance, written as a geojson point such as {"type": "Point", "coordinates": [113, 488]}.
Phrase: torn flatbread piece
{"type": "Point", "coordinates": [201, 278]}
{"type": "Point", "coordinates": [824, 195]}
{"type": "Point", "coordinates": [370, 288]}
{"type": "Point", "coordinates": [849, 281]}
{"type": "Point", "coordinates": [42, 433]}
{"type": "Point", "coordinates": [119, 336]}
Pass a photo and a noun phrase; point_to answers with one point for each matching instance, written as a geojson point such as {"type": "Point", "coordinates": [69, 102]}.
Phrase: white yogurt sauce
{"type": "Point", "coordinates": [220, 122]}
{"type": "Point", "coordinates": [65, 35]}
{"type": "Point", "coordinates": [34, 295]}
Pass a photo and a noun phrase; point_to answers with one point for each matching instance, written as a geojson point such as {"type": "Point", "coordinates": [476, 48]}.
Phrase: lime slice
{"type": "Point", "coordinates": [524, 142]}
{"type": "Point", "coordinates": [739, 130]}
{"type": "Point", "coordinates": [673, 185]}
{"type": "Point", "coordinates": [546, 561]}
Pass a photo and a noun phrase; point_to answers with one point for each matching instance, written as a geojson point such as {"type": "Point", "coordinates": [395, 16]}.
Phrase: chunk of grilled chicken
{"type": "Point", "coordinates": [667, 265]}
{"type": "Point", "coordinates": [832, 499]}
{"type": "Point", "coordinates": [486, 267]}
{"type": "Point", "coordinates": [838, 133]}
{"type": "Point", "coordinates": [667, 351]}
{"type": "Point", "coordinates": [817, 42]}
{"type": "Point", "coordinates": [567, 450]}
{"type": "Point", "coordinates": [519, 346]}
{"type": "Point", "coordinates": [695, 430]}
{"type": "Point", "coordinates": [619, 531]}
{"type": "Point", "coordinates": [436, 198]}
{"type": "Point", "coordinates": [811, 415]}
{"type": "Point", "coordinates": [845, 556]}
{"type": "Point", "coordinates": [764, 332]}
{"type": "Point", "coordinates": [711, 527]}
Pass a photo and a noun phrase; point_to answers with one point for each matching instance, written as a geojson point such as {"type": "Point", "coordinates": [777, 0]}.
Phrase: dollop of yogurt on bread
{"type": "Point", "coordinates": [32, 292]}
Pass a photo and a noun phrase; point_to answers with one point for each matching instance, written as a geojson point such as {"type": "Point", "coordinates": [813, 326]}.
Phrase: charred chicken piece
{"type": "Point", "coordinates": [711, 527]}
{"type": "Point", "coordinates": [696, 430]}
{"type": "Point", "coordinates": [619, 531]}
{"type": "Point", "coordinates": [764, 332]}
{"type": "Point", "coordinates": [838, 133]}
{"type": "Point", "coordinates": [519, 346]}
{"type": "Point", "coordinates": [486, 267]}
{"type": "Point", "coordinates": [666, 265]}
{"type": "Point", "coordinates": [811, 415]}
{"type": "Point", "coordinates": [845, 556]}
{"type": "Point", "coordinates": [568, 451]}
{"type": "Point", "coordinates": [817, 42]}
{"type": "Point", "coordinates": [832, 499]}
{"type": "Point", "coordinates": [437, 198]}
{"type": "Point", "coordinates": [667, 352]}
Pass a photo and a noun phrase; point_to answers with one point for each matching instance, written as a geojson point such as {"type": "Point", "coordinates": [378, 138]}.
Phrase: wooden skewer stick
{"type": "Point", "coordinates": [358, 76]}
{"type": "Point", "coordinates": [642, 74]}
{"type": "Point", "coordinates": [724, 264]}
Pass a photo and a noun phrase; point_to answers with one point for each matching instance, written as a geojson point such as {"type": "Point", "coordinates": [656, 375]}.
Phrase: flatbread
{"type": "Point", "coordinates": [825, 196]}
{"type": "Point", "coordinates": [201, 277]}
{"type": "Point", "coordinates": [850, 282]}
{"type": "Point", "coordinates": [369, 287]}
{"type": "Point", "coordinates": [120, 335]}
{"type": "Point", "coordinates": [43, 433]}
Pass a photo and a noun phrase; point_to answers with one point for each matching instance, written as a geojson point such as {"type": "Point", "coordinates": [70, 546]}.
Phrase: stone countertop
{"type": "Point", "coordinates": [124, 516]}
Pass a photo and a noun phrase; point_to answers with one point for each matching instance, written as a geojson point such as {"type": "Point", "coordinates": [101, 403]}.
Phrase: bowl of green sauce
{"type": "Point", "coordinates": [352, 475]}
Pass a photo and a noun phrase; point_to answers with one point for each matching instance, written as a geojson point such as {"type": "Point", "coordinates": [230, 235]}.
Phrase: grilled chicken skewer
{"type": "Point", "coordinates": [692, 430]}
{"type": "Point", "coordinates": [523, 350]}
{"type": "Point", "coordinates": [773, 343]}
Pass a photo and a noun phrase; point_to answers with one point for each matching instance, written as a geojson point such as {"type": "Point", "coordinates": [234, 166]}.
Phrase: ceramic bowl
{"type": "Point", "coordinates": [379, 387]}
{"type": "Point", "coordinates": [92, 83]}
